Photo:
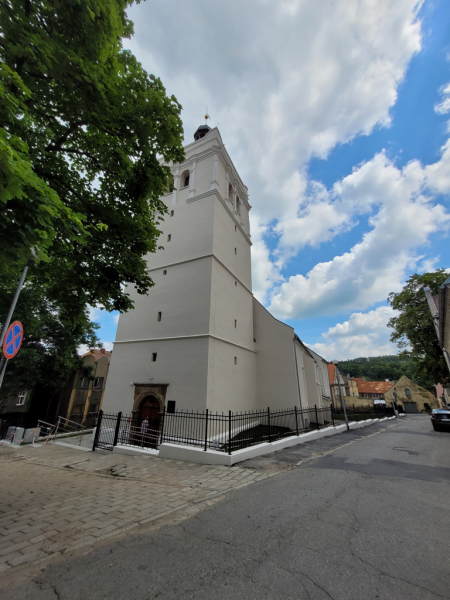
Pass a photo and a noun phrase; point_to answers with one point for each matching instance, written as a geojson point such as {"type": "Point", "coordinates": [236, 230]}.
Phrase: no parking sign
{"type": "Point", "coordinates": [13, 340]}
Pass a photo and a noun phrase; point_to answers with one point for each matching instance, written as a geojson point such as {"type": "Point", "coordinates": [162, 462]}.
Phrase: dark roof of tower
{"type": "Point", "coordinates": [201, 131]}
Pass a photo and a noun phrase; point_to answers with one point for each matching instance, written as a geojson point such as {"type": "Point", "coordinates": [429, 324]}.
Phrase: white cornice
{"type": "Point", "coordinates": [227, 208]}
{"type": "Point", "coordinates": [186, 337]}
{"type": "Point", "coordinates": [188, 260]}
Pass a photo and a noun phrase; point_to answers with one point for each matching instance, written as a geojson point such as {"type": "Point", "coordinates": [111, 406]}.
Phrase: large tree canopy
{"type": "Point", "coordinates": [414, 332]}
{"type": "Point", "coordinates": [83, 129]}
{"type": "Point", "coordinates": [378, 368]}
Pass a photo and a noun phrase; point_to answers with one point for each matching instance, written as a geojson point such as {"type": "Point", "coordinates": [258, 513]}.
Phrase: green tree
{"type": "Point", "coordinates": [84, 133]}
{"type": "Point", "coordinates": [379, 368]}
{"type": "Point", "coordinates": [49, 353]}
{"type": "Point", "coordinates": [414, 332]}
{"type": "Point", "coordinates": [84, 127]}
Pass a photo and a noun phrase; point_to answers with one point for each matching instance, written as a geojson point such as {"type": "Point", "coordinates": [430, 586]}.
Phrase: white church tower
{"type": "Point", "coordinates": [190, 341]}
{"type": "Point", "coordinates": [200, 339]}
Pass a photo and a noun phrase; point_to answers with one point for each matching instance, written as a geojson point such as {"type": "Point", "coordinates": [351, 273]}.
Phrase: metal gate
{"type": "Point", "coordinates": [107, 431]}
{"type": "Point", "coordinates": [410, 407]}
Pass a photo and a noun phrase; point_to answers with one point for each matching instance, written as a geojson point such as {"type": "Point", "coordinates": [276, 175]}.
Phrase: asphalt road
{"type": "Point", "coordinates": [361, 515]}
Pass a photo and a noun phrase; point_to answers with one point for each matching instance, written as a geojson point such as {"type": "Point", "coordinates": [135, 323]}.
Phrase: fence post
{"type": "Point", "coordinates": [206, 431]}
{"type": "Point", "coordinates": [317, 418]}
{"type": "Point", "coordinates": [229, 432]}
{"type": "Point", "coordinates": [296, 419]}
{"type": "Point", "coordinates": [332, 415]}
{"type": "Point", "coordinates": [97, 431]}
{"type": "Point", "coordinates": [354, 412]}
{"type": "Point", "coordinates": [116, 433]}
{"type": "Point", "coordinates": [268, 422]}
{"type": "Point", "coordinates": [162, 425]}
{"type": "Point", "coordinates": [362, 412]}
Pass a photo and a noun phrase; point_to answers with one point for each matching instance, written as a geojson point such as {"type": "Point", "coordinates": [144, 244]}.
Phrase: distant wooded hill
{"type": "Point", "coordinates": [378, 368]}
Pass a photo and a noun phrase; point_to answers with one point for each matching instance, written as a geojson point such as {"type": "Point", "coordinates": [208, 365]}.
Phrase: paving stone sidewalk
{"type": "Point", "coordinates": [55, 499]}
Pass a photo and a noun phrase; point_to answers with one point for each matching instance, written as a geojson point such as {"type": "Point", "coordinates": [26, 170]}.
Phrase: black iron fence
{"type": "Point", "coordinates": [224, 432]}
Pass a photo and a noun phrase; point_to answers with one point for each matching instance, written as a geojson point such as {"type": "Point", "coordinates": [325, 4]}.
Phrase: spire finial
{"type": "Point", "coordinates": [206, 115]}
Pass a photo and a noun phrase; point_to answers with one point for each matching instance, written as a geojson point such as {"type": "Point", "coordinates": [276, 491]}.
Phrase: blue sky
{"type": "Point", "coordinates": [337, 122]}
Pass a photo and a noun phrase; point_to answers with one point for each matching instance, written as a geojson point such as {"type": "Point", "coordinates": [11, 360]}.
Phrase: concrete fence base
{"type": "Point", "coordinates": [211, 457]}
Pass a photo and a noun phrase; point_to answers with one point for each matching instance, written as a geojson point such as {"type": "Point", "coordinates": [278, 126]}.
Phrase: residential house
{"type": "Point", "coordinates": [413, 397]}
{"type": "Point", "coordinates": [351, 387]}
{"type": "Point", "coordinates": [371, 391]}
{"type": "Point", "coordinates": [337, 384]}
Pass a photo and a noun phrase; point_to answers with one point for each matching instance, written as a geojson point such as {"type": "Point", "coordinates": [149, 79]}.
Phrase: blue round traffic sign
{"type": "Point", "coordinates": [13, 340]}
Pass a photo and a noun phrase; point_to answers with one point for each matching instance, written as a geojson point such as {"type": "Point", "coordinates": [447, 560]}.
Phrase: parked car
{"type": "Point", "coordinates": [440, 418]}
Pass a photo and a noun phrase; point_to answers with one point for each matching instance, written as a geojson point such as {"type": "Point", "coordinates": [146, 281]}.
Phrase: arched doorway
{"type": "Point", "coordinates": [149, 421]}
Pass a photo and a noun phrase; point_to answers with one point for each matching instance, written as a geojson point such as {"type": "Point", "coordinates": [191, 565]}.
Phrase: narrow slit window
{"type": "Point", "coordinates": [154, 355]}
{"type": "Point", "coordinates": [235, 250]}
{"type": "Point", "coordinates": [235, 324]}
{"type": "Point", "coordinates": [235, 360]}
{"type": "Point", "coordinates": [172, 212]}
{"type": "Point", "coordinates": [165, 272]}
{"type": "Point", "coordinates": [235, 283]}
{"type": "Point", "coordinates": [235, 227]}
{"type": "Point", "coordinates": [159, 316]}
{"type": "Point", "coordinates": [169, 237]}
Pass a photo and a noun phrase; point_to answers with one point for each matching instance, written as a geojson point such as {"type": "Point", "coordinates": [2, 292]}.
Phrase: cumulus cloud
{"type": "Point", "coordinates": [443, 107]}
{"type": "Point", "coordinates": [364, 334]}
{"type": "Point", "coordinates": [285, 80]}
{"type": "Point", "coordinates": [402, 217]}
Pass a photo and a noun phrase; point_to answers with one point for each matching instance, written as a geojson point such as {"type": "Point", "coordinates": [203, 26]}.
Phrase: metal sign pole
{"type": "Point", "coordinates": [14, 301]}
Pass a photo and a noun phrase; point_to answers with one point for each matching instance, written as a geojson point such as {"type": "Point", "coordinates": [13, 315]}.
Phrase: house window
{"type": "Point", "coordinates": [169, 237]}
{"type": "Point", "coordinates": [235, 360]}
{"type": "Point", "coordinates": [230, 192]}
{"type": "Point", "coordinates": [159, 316]}
{"type": "Point", "coordinates": [98, 382]}
{"type": "Point", "coordinates": [21, 398]}
{"type": "Point", "coordinates": [165, 272]}
{"type": "Point", "coordinates": [185, 179]}
{"type": "Point", "coordinates": [238, 205]}
{"type": "Point", "coordinates": [408, 392]}
{"type": "Point", "coordinates": [93, 408]}
{"type": "Point", "coordinates": [171, 406]}
{"type": "Point", "coordinates": [84, 382]}
{"type": "Point", "coordinates": [172, 212]}
{"type": "Point", "coordinates": [154, 355]}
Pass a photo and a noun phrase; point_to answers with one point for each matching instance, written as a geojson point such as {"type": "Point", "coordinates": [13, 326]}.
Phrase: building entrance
{"type": "Point", "coordinates": [149, 421]}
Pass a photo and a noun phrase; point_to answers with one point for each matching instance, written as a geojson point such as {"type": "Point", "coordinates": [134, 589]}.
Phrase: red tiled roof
{"type": "Point", "coordinates": [331, 372]}
{"type": "Point", "coordinates": [374, 387]}
{"type": "Point", "coordinates": [98, 353]}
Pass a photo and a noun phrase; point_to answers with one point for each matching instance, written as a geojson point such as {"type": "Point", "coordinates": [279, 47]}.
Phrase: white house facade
{"type": "Point", "coordinates": [200, 339]}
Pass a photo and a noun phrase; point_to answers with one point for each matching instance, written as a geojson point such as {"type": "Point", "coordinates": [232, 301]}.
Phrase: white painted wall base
{"type": "Point", "coordinates": [210, 457]}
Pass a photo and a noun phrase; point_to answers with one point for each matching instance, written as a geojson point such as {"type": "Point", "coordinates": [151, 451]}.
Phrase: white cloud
{"type": "Point", "coordinates": [364, 334]}
{"type": "Point", "coordinates": [444, 105]}
{"type": "Point", "coordinates": [286, 80]}
{"type": "Point", "coordinates": [82, 349]}
{"type": "Point", "coordinates": [107, 345]}
{"type": "Point", "coordinates": [402, 218]}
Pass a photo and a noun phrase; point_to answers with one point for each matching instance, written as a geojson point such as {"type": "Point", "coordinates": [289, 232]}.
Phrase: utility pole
{"type": "Point", "coordinates": [342, 400]}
